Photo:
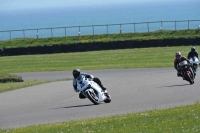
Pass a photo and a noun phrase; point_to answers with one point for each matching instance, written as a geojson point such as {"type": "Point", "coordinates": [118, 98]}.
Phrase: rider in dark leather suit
{"type": "Point", "coordinates": [193, 53]}
{"type": "Point", "coordinates": [179, 58]}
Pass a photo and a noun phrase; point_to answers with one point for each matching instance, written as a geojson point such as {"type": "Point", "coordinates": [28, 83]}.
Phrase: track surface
{"type": "Point", "coordinates": [132, 90]}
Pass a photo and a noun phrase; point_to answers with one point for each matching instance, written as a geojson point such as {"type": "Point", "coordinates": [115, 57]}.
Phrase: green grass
{"type": "Point", "coordinates": [172, 120]}
{"type": "Point", "coordinates": [109, 59]}
{"type": "Point", "coordinates": [6, 75]}
{"type": "Point", "coordinates": [99, 38]}
{"type": "Point", "coordinates": [9, 86]}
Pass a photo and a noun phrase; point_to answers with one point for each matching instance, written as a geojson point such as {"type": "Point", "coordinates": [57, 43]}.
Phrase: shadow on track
{"type": "Point", "coordinates": [175, 85]}
{"type": "Point", "coordinates": [77, 106]}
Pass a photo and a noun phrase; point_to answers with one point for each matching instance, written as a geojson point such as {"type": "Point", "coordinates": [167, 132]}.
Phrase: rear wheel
{"type": "Point", "coordinates": [93, 97]}
{"type": "Point", "coordinates": [108, 99]}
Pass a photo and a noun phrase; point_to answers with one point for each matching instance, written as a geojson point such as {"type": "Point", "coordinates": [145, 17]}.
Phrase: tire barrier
{"type": "Point", "coordinates": [95, 46]}
{"type": "Point", "coordinates": [4, 80]}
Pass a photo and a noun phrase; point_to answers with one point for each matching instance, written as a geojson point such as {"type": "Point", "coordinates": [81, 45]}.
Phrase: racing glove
{"type": "Point", "coordinates": [76, 90]}
{"type": "Point", "coordinates": [90, 77]}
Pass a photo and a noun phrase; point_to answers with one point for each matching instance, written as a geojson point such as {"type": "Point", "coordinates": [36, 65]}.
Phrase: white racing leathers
{"type": "Point", "coordinates": [92, 90]}
{"type": "Point", "coordinates": [195, 62]}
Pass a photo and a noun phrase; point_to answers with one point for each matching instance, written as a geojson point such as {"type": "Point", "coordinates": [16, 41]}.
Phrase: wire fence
{"type": "Point", "coordinates": [100, 29]}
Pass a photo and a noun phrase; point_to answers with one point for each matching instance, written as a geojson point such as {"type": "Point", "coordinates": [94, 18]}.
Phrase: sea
{"type": "Point", "coordinates": [100, 19]}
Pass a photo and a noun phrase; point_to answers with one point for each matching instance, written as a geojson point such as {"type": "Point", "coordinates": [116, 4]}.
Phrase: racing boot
{"type": "Point", "coordinates": [97, 80]}
{"type": "Point", "coordinates": [104, 89]}
{"type": "Point", "coordinates": [194, 73]}
{"type": "Point", "coordinates": [81, 96]}
{"type": "Point", "coordinates": [180, 75]}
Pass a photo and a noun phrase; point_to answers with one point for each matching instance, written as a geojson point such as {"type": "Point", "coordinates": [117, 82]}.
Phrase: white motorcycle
{"type": "Point", "coordinates": [92, 91]}
{"type": "Point", "coordinates": [195, 62]}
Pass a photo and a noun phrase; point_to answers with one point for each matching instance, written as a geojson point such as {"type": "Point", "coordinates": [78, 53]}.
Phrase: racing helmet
{"type": "Point", "coordinates": [76, 73]}
{"type": "Point", "coordinates": [193, 49]}
{"type": "Point", "coordinates": [178, 55]}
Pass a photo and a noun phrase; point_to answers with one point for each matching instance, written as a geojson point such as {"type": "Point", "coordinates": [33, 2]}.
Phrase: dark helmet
{"type": "Point", "coordinates": [193, 49]}
{"type": "Point", "coordinates": [76, 73]}
{"type": "Point", "coordinates": [178, 55]}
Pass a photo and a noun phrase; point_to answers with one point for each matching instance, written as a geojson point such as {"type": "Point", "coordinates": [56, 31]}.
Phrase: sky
{"type": "Point", "coordinates": [35, 4]}
{"type": "Point", "coordinates": [9, 5]}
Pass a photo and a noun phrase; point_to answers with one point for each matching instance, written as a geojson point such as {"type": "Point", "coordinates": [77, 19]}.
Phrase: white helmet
{"type": "Point", "coordinates": [178, 55]}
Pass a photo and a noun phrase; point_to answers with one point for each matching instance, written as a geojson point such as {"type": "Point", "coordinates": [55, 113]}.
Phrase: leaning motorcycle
{"type": "Point", "coordinates": [195, 62]}
{"type": "Point", "coordinates": [92, 91]}
{"type": "Point", "coordinates": [186, 70]}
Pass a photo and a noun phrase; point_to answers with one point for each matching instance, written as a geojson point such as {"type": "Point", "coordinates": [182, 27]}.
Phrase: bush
{"type": "Point", "coordinates": [5, 77]}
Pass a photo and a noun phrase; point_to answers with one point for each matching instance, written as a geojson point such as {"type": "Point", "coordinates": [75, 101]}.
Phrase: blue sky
{"type": "Point", "coordinates": [38, 4]}
{"type": "Point", "coordinates": [34, 4]}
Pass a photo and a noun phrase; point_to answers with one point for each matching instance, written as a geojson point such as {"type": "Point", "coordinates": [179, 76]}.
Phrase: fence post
{"type": "Point", "coordinates": [120, 28]}
{"type": "Point", "coordinates": [161, 26]}
{"type": "Point", "coordinates": [37, 34]}
{"type": "Point", "coordinates": [175, 25]}
{"type": "Point", "coordinates": [51, 32]}
{"type": "Point", "coordinates": [93, 29]}
{"type": "Point", "coordinates": [10, 35]}
{"type": "Point", "coordinates": [107, 29]}
{"type": "Point", "coordinates": [24, 33]}
{"type": "Point", "coordinates": [79, 32]}
{"type": "Point", "coordinates": [65, 32]}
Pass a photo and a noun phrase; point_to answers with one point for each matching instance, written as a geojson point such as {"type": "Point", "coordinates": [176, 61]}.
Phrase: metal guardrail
{"type": "Point", "coordinates": [98, 29]}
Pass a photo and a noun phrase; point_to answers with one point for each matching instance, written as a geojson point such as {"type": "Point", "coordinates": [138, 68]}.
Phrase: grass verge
{"type": "Point", "coordinates": [5, 77]}
{"type": "Point", "coordinates": [108, 59]}
{"type": "Point", "coordinates": [172, 120]}
{"type": "Point", "coordinates": [4, 87]}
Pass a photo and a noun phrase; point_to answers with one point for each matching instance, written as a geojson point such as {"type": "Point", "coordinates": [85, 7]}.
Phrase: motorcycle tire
{"type": "Point", "coordinates": [189, 78]}
{"type": "Point", "coordinates": [92, 97]}
{"type": "Point", "coordinates": [108, 99]}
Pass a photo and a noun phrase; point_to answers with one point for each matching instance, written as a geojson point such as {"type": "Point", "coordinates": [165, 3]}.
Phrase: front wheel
{"type": "Point", "coordinates": [92, 96]}
{"type": "Point", "coordinates": [190, 78]}
{"type": "Point", "coordinates": [195, 67]}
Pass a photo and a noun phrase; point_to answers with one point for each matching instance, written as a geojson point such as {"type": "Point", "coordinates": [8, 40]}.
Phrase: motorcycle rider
{"type": "Point", "coordinates": [193, 53]}
{"type": "Point", "coordinates": [77, 75]}
{"type": "Point", "coordinates": [179, 58]}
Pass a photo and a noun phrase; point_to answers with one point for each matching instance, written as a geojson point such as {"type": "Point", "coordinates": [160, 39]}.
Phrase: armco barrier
{"type": "Point", "coordinates": [81, 47]}
{"type": "Point", "coordinates": [135, 27]}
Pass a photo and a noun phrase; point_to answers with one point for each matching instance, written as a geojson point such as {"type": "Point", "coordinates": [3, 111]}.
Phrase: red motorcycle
{"type": "Point", "coordinates": [187, 72]}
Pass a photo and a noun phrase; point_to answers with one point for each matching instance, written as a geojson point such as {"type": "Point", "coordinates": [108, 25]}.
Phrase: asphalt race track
{"type": "Point", "coordinates": [132, 90]}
